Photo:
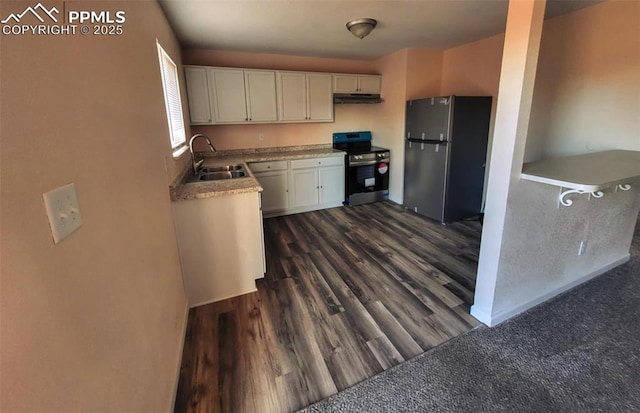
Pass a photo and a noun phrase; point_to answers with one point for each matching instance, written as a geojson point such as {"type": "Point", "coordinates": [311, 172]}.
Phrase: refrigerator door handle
{"type": "Point", "coordinates": [428, 141]}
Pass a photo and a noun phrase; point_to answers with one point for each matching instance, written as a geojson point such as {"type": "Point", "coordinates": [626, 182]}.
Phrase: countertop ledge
{"type": "Point", "coordinates": [180, 191]}
{"type": "Point", "coordinates": [588, 172]}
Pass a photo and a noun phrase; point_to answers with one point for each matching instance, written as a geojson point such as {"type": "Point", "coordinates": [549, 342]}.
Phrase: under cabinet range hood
{"type": "Point", "coordinates": [356, 98]}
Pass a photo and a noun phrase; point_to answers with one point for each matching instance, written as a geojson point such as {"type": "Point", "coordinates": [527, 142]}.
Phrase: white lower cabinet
{"type": "Point", "coordinates": [305, 187]}
{"type": "Point", "coordinates": [221, 246]}
{"type": "Point", "coordinates": [317, 183]}
{"type": "Point", "coordinates": [317, 186]}
{"type": "Point", "coordinates": [300, 185]}
{"type": "Point", "coordinates": [331, 180]}
{"type": "Point", "coordinates": [273, 177]}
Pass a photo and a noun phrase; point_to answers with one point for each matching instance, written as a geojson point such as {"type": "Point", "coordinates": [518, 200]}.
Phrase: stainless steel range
{"type": "Point", "coordinates": [367, 168]}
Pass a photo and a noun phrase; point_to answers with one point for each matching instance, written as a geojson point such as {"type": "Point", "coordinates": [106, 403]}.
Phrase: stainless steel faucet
{"type": "Point", "coordinates": [199, 162]}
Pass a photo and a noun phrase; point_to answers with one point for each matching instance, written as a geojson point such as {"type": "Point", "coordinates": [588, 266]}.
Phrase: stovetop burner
{"type": "Point", "coordinates": [357, 150]}
{"type": "Point", "coordinates": [355, 143]}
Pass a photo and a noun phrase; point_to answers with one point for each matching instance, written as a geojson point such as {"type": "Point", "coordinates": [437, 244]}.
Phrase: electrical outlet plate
{"type": "Point", "coordinates": [63, 211]}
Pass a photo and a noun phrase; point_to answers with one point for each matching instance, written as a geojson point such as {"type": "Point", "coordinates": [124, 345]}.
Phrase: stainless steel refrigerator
{"type": "Point", "coordinates": [445, 154]}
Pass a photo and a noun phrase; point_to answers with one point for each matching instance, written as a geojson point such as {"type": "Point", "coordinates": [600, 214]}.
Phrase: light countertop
{"type": "Point", "coordinates": [588, 172]}
{"type": "Point", "coordinates": [181, 191]}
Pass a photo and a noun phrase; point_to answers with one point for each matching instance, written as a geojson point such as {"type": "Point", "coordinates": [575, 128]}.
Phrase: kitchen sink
{"type": "Point", "coordinates": [217, 173]}
{"type": "Point", "coordinates": [215, 176]}
{"type": "Point", "coordinates": [209, 169]}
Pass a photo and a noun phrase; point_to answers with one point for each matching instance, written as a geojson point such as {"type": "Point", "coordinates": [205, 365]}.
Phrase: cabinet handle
{"type": "Point", "coordinates": [246, 118]}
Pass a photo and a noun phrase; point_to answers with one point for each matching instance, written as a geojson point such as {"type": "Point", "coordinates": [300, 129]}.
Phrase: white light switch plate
{"type": "Point", "coordinates": [63, 211]}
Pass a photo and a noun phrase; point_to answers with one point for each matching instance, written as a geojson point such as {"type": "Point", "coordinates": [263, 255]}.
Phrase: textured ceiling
{"type": "Point", "coordinates": [317, 28]}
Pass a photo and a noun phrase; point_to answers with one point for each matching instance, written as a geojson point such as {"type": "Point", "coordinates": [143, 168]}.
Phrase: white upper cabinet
{"type": "Point", "coordinates": [345, 83]}
{"type": "Point", "coordinates": [319, 97]}
{"type": "Point", "coordinates": [292, 94]}
{"type": "Point", "coordinates": [260, 87]}
{"type": "Point", "coordinates": [220, 95]}
{"type": "Point", "coordinates": [198, 95]}
{"type": "Point", "coordinates": [305, 97]}
{"type": "Point", "coordinates": [242, 95]}
{"type": "Point", "coordinates": [228, 97]}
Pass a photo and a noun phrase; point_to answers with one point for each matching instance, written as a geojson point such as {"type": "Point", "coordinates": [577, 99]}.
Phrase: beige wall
{"type": "Point", "coordinates": [407, 74]}
{"type": "Point", "coordinates": [274, 61]}
{"type": "Point", "coordinates": [347, 117]}
{"type": "Point", "coordinates": [473, 69]}
{"type": "Point", "coordinates": [389, 116]}
{"type": "Point", "coordinates": [529, 250]}
{"type": "Point", "coordinates": [587, 93]}
{"type": "Point", "coordinates": [95, 322]}
{"type": "Point", "coordinates": [424, 73]}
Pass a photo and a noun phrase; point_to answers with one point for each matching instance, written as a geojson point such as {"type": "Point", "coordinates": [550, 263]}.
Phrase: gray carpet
{"type": "Point", "coordinates": [576, 353]}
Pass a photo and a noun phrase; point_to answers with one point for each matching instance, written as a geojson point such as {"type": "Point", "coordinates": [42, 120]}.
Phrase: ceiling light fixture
{"type": "Point", "coordinates": [361, 27]}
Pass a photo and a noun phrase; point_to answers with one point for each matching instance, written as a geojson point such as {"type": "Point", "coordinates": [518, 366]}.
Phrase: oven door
{"type": "Point", "coordinates": [367, 181]}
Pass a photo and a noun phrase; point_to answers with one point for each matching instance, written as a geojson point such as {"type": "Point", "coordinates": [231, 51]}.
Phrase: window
{"type": "Point", "coordinates": [172, 102]}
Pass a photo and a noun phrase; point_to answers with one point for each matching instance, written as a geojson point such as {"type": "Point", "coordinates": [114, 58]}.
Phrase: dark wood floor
{"type": "Point", "coordinates": [349, 292]}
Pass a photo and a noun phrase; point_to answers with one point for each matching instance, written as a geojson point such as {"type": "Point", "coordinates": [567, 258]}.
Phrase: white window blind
{"type": "Point", "coordinates": [172, 101]}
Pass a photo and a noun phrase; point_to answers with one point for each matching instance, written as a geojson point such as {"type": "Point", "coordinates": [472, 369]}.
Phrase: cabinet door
{"type": "Point", "coordinates": [229, 98]}
{"type": "Point", "coordinates": [331, 184]}
{"type": "Point", "coordinates": [198, 94]}
{"type": "Point", "coordinates": [319, 97]}
{"type": "Point", "coordinates": [369, 84]}
{"type": "Point", "coordinates": [261, 96]}
{"type": "Point", "coordinates": [274, 194]}
{"type": "Point", "coordinates": [304, 187]}
{"type": "Point", "coordinates": [292, 92]}
{"type": "Point", "coordinates": [345, 83]}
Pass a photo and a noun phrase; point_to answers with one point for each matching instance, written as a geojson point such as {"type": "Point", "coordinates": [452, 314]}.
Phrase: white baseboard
{"type": "Point", "coordinates": [292, 211]}
{"type": "Point", "coordinates": [224, 297]}
{"type": "Point", "coordinates": [183, 337]}
{"type": "Point", "coordinates": [493, 320]}
{"type": "Point", "coordinates": [480, 315]}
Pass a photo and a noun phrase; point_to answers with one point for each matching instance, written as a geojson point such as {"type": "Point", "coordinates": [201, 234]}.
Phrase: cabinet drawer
{"type": "Point", "coordinates": [268, 166]}
{"type": "Point", "coordinates": [317, 162]}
